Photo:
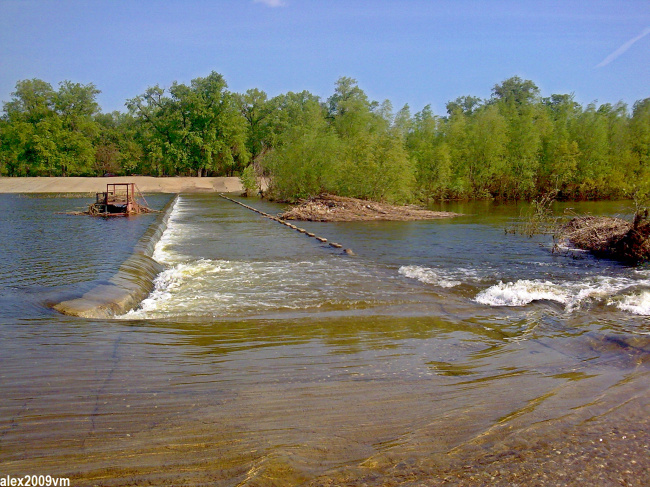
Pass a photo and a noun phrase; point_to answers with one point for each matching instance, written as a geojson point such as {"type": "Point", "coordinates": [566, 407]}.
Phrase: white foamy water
{"type": "Point", "coordinates": [522, 292]}
{"type": "Point", "coordinates": [572, 294]}
{"type": "Point", "coordinates": [226, 288]}
{"type": "Point", "coordinates": [163, 252]}
{"type": "Point", "coordinates": [446, 278]}
{"type": "Point", "coordinates": [622, 292]}
{"type": "Point", "coordinates": [637, 303]}
{"type": "Point", "coordinates": [427, 275]}
{"type": "Point", "coordinates": [249, 285]}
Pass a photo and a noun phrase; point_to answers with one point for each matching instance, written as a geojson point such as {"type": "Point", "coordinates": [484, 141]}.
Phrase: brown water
{"type": "Point", "coordinates": [265, 358]}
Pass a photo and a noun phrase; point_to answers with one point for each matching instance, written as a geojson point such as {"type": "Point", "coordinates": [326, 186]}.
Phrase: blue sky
{"type": "Point", "coordinates": [411, 51]}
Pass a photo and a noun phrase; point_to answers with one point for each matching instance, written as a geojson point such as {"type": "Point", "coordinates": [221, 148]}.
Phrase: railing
{"type": "Point", "coordinates": [119, 195]}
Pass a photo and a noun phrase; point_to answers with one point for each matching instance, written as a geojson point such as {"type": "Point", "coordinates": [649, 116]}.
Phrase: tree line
{"type": "Point", "coordinates": [514, 145]}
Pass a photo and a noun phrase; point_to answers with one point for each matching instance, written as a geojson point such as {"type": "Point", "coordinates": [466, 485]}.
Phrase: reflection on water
{"type": "Point", "coordinates": [265, 358]}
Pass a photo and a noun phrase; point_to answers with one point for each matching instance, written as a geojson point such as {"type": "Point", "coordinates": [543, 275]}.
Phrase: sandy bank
{"type": "Point", "coordinates": [145, 184]}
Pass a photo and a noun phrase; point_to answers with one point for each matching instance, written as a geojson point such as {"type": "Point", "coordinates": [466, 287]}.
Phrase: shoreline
{"type": "Point", "coordinates": [145, 184]}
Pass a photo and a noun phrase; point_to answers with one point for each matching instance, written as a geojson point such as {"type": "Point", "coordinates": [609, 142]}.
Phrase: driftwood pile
{"type": "Point", "coordinates": [330, 208]}
{"type": "Point", "coordinates": [608, 237]}
{"type": "Point", "coordinates": [100, 209]}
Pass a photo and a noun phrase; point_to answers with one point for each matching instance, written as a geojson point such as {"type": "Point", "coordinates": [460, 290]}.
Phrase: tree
{"type": "Point", "coordinates": [515, 92]}
{"type": "Point", "coordinates": [466, 104]}
{"type": "Point", "coordinates": [76, 101]}
{"type": "Point", "coordinates": [514, 145]}
{"type": "Point", "coordinates": [350, 111]}
{"type": "Point", "coordinates": [155, 132]}
{"type": "Point", "coordinates": [560, 151]}
{"type": "Point", "coordinates": [456, 134]}
{"type": "Point", "coordinates": [430, 154]}
{"type": "Point", "coordinates": [117, 148]}
{"type": "Point", "coordinates": [591, 133]}
{"type": "Point", "coordinates": [621, 162]}
{"type": "Point", "coordinates": [373, 160]}
{"type": "Point", "coordinates": [32, 101]}
{"type": "Point", "coordinates": [76, 106]}
{"type": "Point", "coordinates": [487, 146]}
{"type": "Point", "coordinates": [16, 139]}
{"type": "Point", "coordinates": [50, 132]}
{"type": "Point", "coordinates": [196, 129]}
{"type": "Point", "coordinates": [518, 102]}
{"type": "Point", "coordinates": [256, 110]}
{"type": "Point", "coordinates": [304, 161]}
{"type": "Point", "coordinates": [640, 135]}
{"type": "Point", "coordinates": [403, 122]}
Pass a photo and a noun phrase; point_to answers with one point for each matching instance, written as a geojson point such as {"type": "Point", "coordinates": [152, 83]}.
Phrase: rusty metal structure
{"type": "Point", "coordinates": [119, 199]}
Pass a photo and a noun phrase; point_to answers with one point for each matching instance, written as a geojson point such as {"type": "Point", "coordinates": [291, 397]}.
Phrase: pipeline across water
{"type": "Point", "coordinates": [289, 224]}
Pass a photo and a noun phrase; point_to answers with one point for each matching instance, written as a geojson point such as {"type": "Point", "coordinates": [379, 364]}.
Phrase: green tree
{"type": "Point", "coordinates": [32, 101]}
{"type": "Point", "coordinates": [256, 109]}
{"type": "Point", "coordinates": [456, 134]}
{"type": "Point", "coordinates": [118, 149]}
{"type": "Point", "coordinates": [403, 122]}
{"type": "Point", "coordinates": [373, 160]}
{"type": "Point", "coordinates": [76, 107]}
{"type": "Point", "coordinates": [155, 133]}
{"type": "Point", "coordinates": [430, 154]}
{"type": "Point", "coordinates": [621, 162]}
{"type": "Point", "coordinates": [304, 161]}
{"type": "Point", "coordinates": [514, 145]}
{"type": "Point", "coordinates": [518, 102]}
{"type": "Point", "coordinates": [465, 104]}
{"type": "Point", "coordinates": [516, 93]}
{"type": "Point", "coordinates": [50, 132]}
{"type": "Point", "coordinates": [487, 149]}
{"type": "Point", "coordinates": [560, 152]}
{"type": "Point", "coordinates": [591, 133]}
{"type": "Point", "coordinates": [197, 129]}
{"type": "Point", "coordinates": [640, 138]}
{"type": "Point", "coordinates": [350, 111]}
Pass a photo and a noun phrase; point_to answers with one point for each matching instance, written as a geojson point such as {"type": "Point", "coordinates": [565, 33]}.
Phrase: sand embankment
{"type": "Point", "coordinates": [146, 184]}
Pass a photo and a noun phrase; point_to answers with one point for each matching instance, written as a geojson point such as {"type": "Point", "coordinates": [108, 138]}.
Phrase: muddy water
{"type": "Point", "coordinates": [442, 352]}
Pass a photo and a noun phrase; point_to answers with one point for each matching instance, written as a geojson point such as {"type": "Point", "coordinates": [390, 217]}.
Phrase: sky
{"type": "Point", "coordinates": [420, 52]}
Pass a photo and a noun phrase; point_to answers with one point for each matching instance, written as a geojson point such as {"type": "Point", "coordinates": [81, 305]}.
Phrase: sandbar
{"type": "Point", "coordinates": [146, 184]}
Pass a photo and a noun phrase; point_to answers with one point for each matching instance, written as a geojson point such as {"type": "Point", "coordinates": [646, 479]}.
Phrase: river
{"type": "Point", "coordinates": [442, 352]}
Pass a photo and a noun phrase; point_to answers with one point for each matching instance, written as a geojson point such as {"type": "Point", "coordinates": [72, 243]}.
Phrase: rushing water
{"type": "Point", "coordinates": [443, 350]}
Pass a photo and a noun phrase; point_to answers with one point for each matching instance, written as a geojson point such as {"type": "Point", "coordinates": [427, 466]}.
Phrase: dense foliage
{"type": "Point", "coordinates": [516, 144]}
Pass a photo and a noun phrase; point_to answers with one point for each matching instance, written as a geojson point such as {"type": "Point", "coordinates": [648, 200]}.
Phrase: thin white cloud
{"type": "Point", "coordinates": [272, 3]}
{"type": "Point", "coordinates": [623, 48]}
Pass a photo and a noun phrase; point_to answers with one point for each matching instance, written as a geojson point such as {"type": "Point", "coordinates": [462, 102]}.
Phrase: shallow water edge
{"type": "Point", "coordinates": [130, 285]}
